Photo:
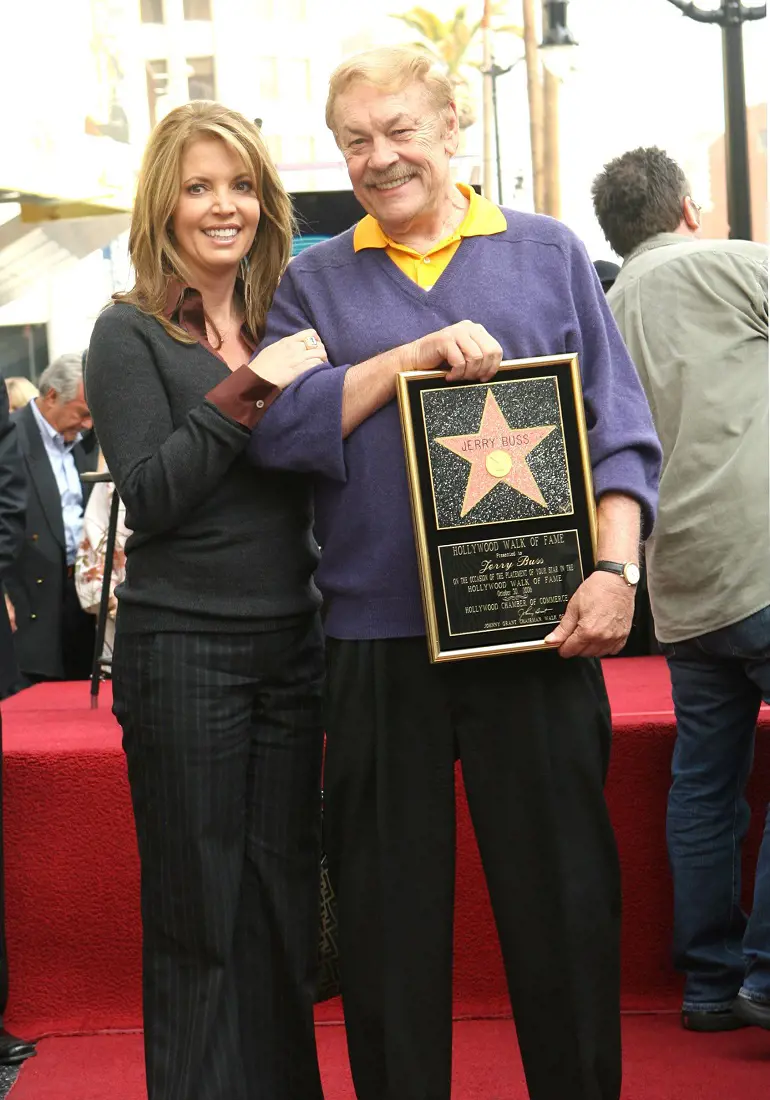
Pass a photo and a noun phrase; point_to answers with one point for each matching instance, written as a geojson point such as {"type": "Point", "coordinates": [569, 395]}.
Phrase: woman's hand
{"type": "Point", "coordinates": [287, 359]}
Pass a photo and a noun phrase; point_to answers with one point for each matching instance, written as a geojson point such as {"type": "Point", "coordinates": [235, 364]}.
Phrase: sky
{"type": "Point", "coordinates": [645, 75]}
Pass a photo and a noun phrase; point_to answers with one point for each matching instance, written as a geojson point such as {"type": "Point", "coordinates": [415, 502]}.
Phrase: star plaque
{"type": "Point", "coordinates": [500, 485]}
{"type": "Point", "coordinates": [497, 453]}
{"type": "Point", "coordinates": [507, 462]}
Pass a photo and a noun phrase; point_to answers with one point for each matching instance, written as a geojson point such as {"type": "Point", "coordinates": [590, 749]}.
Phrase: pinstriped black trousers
{"type": "Point", "coordinates": [223, 738]}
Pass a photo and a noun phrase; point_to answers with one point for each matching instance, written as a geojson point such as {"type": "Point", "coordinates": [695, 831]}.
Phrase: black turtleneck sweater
{"type": "Point", "coordinates": [217, 544]}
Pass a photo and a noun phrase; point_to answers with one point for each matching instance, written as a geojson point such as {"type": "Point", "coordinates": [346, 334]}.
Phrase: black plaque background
{"type": "Point", "coordinates": [537, 585]}
{"type": "Point", "coordinates": [579, 519]}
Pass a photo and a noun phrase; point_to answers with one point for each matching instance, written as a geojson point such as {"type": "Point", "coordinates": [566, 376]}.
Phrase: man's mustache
{"type": "Point", "coordinates": [386, 177]}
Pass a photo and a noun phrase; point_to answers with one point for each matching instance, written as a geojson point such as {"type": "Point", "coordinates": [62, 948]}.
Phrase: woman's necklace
{"type": "Point", "coordinates": [213, 331]}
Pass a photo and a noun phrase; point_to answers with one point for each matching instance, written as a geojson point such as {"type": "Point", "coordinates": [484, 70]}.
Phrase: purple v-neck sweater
{"type": "Point", "coordinates": [535, 290]}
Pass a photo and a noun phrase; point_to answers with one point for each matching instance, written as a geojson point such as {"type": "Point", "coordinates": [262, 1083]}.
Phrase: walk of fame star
{"type": "Point", "coordinates": [497, 452]}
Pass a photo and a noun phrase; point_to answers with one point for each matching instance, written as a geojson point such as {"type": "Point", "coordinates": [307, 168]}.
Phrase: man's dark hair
{"type": "Point", "coordinates": [638, 195]}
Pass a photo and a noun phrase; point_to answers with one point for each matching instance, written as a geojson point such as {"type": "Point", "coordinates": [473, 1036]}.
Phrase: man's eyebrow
{"type": "Point", "coordinates": [353, 131]}
{"type": "Point", "coordinates": [402, 117]}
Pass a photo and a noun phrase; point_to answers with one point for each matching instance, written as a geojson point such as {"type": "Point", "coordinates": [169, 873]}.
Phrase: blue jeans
{"type": "Point", "coordinates": [718, 681]}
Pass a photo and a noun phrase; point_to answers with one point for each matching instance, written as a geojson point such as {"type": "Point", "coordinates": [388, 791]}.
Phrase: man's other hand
{"type": "Point", "coordinates": [11, 613]}
{"type": "Point", "coordinates": [597, 619]}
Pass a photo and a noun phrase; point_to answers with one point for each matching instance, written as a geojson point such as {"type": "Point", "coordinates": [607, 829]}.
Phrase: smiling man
{"type": "Point", "coordinates": [436, 276]}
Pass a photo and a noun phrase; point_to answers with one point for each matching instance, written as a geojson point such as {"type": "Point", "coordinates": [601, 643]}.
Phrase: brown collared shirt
{"type": "Point", "coordinates": [244, 396]}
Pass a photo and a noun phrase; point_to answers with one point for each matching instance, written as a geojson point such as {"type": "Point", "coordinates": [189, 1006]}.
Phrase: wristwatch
{"type": "Point", "coordinates": [628, 570]}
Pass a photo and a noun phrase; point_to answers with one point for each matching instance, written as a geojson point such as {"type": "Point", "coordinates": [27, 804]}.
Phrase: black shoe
{"type": "Point", "coordinates": [13, 1051]}
{"type": "Point", "coordinates": [752, 1012]}
{"type": "Point", "coordinates": [726, 1020]}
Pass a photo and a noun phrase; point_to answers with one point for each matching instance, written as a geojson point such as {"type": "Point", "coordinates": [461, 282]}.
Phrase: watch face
{"type": "Point", "coordinates": [631, 573]}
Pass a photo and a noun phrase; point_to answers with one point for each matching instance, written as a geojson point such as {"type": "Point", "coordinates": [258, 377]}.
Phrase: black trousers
{"type": "Point", "coordinates": [3, 951]}
{"type": "Point", "coordinates": [78, 635]}
{"type": "Point", "coordinates": [533, 734]}
{"type": "Point", "coordinates": [223, 738]}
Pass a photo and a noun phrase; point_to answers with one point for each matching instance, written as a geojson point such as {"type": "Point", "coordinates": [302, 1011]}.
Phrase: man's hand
{"type": "Point", "coordinates": [11, 613]}
{"type": "Point", "coordinates": [597, 619]}
{"type": "Point", "coordinates": [472, 354]}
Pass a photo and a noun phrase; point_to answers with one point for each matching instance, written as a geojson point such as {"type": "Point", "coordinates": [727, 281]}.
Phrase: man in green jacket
{"type": "Point", "coordinates": [694, 314]}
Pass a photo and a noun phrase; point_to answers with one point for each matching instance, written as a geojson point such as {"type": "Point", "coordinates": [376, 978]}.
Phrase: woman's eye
{"type": "Point", "coordinates": [244, 185]}
{"type": "Point", "coordinates": [195, 189]}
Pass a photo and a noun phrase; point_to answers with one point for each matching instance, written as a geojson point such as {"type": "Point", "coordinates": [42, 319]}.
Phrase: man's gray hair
{"type": "Point", "coordinates": [64, 376]}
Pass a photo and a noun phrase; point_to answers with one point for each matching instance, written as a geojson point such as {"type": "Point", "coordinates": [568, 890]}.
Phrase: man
{"type": "Point", "coordinates": [54, 637]}
{"type": "Point", "coordinates": [532, 731]}
{"type": "Point", "coordinates": [13, 500]}
{"type": "Point", "coordinates": [694, 315]}
{"type": "Point", "coordinates": [607, 272]}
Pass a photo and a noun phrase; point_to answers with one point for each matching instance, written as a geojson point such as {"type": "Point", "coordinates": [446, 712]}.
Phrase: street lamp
{"type": "Point", "coordinates": [493, 71]}
{"type": "Point", "coordinates": [559, 45]}
{"type": "Point", "coordinates": [557, 51]}
{"type": "Point", "coordinates": [731, 15]}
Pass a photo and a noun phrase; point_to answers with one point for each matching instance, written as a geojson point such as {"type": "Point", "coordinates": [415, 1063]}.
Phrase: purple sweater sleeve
{"type": "Point", "coordinates": [625, 452]}
{"type": "Point", "coordinates": [302, 429]}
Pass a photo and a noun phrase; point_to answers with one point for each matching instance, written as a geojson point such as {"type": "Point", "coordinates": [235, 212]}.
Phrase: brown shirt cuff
{"type": "Point", "coordinates": [244, 396]}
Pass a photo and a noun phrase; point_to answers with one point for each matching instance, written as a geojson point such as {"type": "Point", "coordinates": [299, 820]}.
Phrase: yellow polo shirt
{"type": "Point", "coordinates": [482, 220]}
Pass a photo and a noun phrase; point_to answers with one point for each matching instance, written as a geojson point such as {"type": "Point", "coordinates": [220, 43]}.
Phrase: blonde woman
{"type": "Point", "coordinates": [217, 670]}
{"type": "Point", "coordinates": [20, 392]}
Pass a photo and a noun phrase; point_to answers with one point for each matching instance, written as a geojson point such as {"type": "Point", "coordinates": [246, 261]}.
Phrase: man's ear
{"type": "Point", "coordinates": [49, 399]}
{"type": "Point", "coordinates": [690, 214]}
{"type": "Point", "coordinates": [452, 129]}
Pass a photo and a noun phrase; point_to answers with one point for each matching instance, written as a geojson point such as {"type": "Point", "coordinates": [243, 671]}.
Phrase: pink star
{"type": "Point", "coordinates": [497, 453]}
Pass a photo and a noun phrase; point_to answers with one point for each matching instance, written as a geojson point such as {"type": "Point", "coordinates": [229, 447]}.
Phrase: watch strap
{"type": "Point", "coordinates": [611, 567]}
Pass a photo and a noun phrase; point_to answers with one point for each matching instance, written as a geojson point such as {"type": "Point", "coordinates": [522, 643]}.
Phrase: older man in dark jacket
{"type": "Point", "coordinates": [54, 637]}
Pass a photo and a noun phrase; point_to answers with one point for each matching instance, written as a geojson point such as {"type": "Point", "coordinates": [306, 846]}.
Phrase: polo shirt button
{"type": "Point", "coordinates": [260, 404]}
{"type": "Point", "coordinates": [426, 259]}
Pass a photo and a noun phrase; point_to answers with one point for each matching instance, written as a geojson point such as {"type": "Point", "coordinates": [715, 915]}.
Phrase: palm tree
{"type": "Point", "coordinates": [448, 42]}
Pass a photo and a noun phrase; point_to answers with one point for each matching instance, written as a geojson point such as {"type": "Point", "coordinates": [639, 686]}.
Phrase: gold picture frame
{"type": "Point", "coordinates": [512, 498]}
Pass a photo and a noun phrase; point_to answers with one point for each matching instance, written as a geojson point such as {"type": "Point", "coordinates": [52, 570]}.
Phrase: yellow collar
{"type": "Point", "coordinates": [482, 220]}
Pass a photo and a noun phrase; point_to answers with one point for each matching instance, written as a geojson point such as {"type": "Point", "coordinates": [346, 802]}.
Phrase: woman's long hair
{"type": "Point", "coordinates": [151, 247]}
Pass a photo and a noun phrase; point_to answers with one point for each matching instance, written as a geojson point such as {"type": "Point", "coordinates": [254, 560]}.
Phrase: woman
{"type": "Point", "coordinates": [20, 392]}
{"type": "Point", "coordinates": [218, 664]}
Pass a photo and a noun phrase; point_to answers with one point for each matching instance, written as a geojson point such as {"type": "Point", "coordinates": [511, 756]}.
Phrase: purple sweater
{"type": "Point", "coordinates": [535, 290]}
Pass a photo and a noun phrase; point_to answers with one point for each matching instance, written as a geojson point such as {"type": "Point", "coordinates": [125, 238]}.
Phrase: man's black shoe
{"type": "Point", "coordinates": [752, 1012]}
{"type": "Point", "coordinates": [13, 1051]}
{"type": "Point", "coordinates": [726, 1020]}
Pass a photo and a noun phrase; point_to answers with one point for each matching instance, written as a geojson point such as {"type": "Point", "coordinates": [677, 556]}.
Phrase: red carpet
{"type": "Point", "coordinates": [661, 1063]}
{"type": "Point", "coordinates": [71, 865]}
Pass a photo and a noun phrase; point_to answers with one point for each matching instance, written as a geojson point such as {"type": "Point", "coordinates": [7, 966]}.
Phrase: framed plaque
{"type": "Point", "coordinates": [502, 502]}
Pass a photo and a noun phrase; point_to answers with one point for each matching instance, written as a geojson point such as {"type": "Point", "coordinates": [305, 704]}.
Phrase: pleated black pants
{"type": "Point", "coordinates": [533, 734]}
{"type": "Point", "coordinates": [223, 738]}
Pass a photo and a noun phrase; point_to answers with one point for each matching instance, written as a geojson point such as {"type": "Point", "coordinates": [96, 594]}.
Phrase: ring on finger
{"type": "Point", "coordinates": [311, 342]}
